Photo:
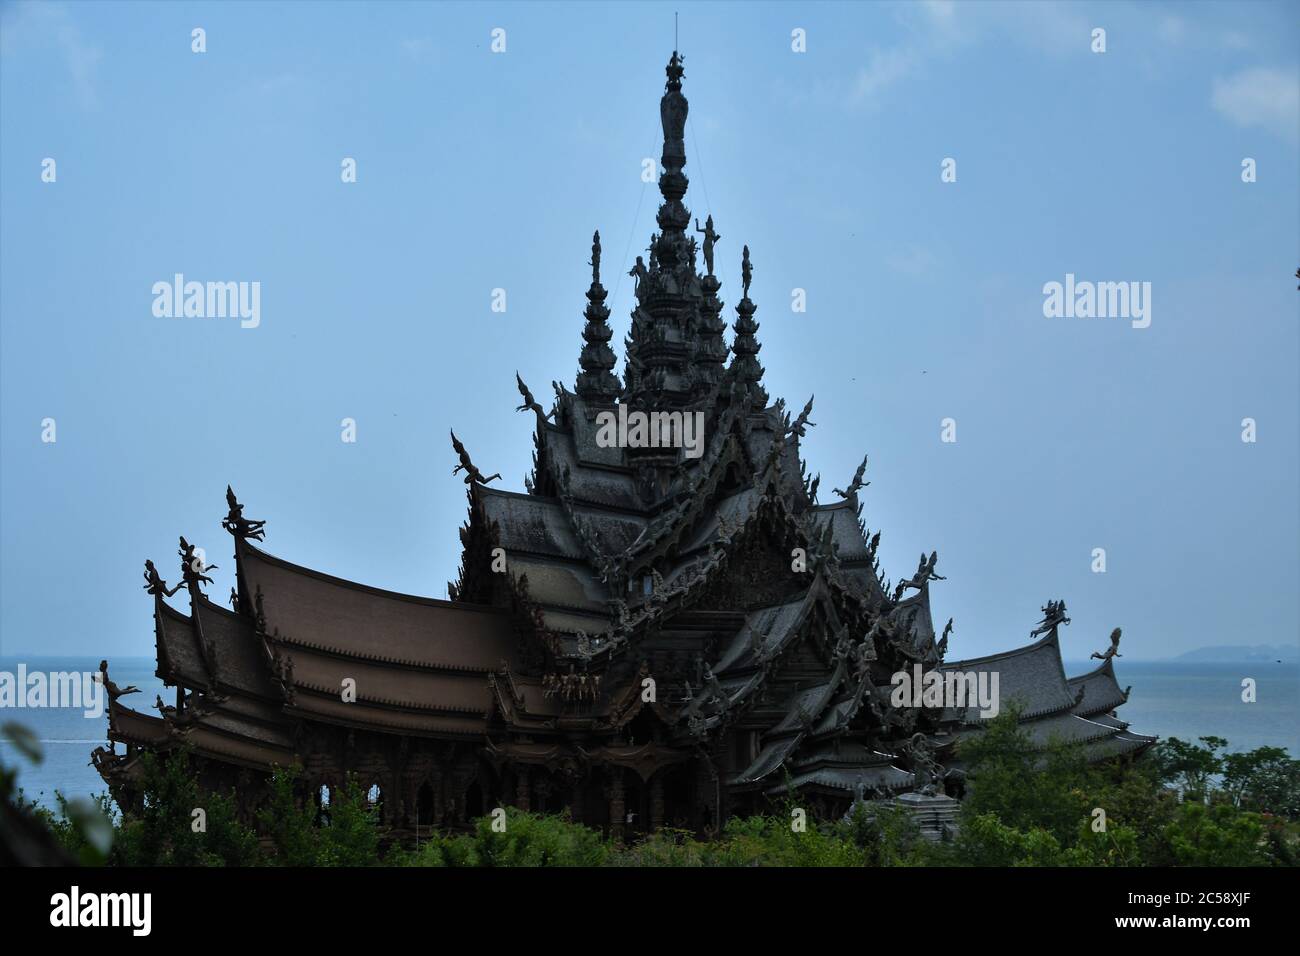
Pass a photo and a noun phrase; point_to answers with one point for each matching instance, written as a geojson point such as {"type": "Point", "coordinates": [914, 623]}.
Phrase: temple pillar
{"type": "Point", "coordinates": [439, 799]}
{"type": "Point", "coordinates": [617, 809]}
{"type": "Point", "coordinates": [521, 789]}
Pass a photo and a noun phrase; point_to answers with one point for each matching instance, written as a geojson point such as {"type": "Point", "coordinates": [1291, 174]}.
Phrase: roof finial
{"type": "Point", "coordinates": [595, 258]}
{"type": "Point", "coordinates": [675, 71]}
{"type": "Point", "coordinates": [746, 271]}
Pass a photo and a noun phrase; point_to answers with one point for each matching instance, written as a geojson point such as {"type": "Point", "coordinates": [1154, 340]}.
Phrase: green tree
{"type": "Point", "coordinates": [170, 830]}
{"type": "Point", "coordinates": [1188, 766]}
{"type": "Point", "coordinates": [1218, 835]}
{"type": "Point", "coordinates": [1265, 779]}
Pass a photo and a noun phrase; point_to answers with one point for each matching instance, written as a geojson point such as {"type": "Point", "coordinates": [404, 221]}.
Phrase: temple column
{"type": "Point", "coordinates": [657, 801]}
{"type": "Point", "coordinates": [617, 809]}
{"type": "Point", "coordinates": [439, 801]}
{"type": "Point", "coordinates": [521, 789]}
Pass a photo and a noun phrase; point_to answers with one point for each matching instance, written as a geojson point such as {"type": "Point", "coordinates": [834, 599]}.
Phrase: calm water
{"type": "Point", "coordinates": [1169, 699]}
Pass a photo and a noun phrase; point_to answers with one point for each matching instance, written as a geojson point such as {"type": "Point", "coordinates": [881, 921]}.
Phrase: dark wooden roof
{"type": "Point", "coordinates": [311, 611]}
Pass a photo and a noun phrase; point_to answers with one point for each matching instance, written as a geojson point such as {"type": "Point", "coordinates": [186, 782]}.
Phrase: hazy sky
{"type": "Point", "coordinates": [479, 170]}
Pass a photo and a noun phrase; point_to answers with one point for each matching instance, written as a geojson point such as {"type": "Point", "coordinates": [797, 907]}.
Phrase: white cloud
{"type": "Point", "coordinates": [885, 68]}
{"type": "Point", "coordinates": [27, 26]}
{"type": "Point", "coordinates": [1052, 28]}
{"type": "Point", "coordinates": [1267, 97]}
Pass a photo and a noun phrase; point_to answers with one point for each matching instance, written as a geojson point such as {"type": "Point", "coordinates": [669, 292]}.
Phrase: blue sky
{"type": "Point", "coordinates": [479, 171]}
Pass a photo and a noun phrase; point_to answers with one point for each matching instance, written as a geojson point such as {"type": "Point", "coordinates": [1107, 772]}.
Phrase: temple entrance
{"type": "Point", "coordinates": [636, 803]}
{"type": "Point", "coordinates": [679, 797]}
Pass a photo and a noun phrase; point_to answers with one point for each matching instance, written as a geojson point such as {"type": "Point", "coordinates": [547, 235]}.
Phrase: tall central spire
{"type": "Point", "coordinates": [674, 217]}
{"type": "Point", "coordinates": [674, 352]}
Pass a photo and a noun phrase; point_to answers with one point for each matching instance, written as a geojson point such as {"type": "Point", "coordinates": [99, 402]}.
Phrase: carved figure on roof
{"type": "Point", "coordinates": [530, 403]}
{"type": "Point", "coordinates": [101, 757]}
{"type": "Point", "coordinates": [826, 546]}
{"type": "Point", "coordinates": [801, 424]}
{"type": "Point", "coordinates": [234, 599]}
{"type": "Point", "coordinates": [864, 654]}
{"type": "Point", "coordinates": [192, 566]}
{"type": "Point", "coordinates": [658, 591]}
{"type": "Point", "coordinates": [259, 611]}
{"type": "Point", "coordinates": [1053, 615]}
{"type": "Point", "coordinates": [1112, 651]}
{"type": "Point", "coordinates": [856, 484]}
{"type": "Point", "coordinates": [881, 632]}
{"type": "Point", "coordinates": [114, 692]}
{"type": "Point", "coordinates": [746, 271]}
{"type": "Point", "coordinates": [924, 572]}
{"type": "Point", "coordinates": [710, 239]}
{"type": "Point", "coordinates": [154, 583]}
{"type": "Point", "coordinates": [943, 642]}
{"type": "Point", "coordinates": [595, 258]}
{"type": "Point", "coordinates": [282, 665]}
{"type": "Point", "coordinates": [873, 545]}
{"type": "Point", "coordinates": [472, 475]}
{"type": "Point", "coordinates": [237, 524]}
{"type": "Point", "coordinates": [727, 527]}
{"type": "Point", "coordinates": [843, 644]}
{"type": "Point", "coordinates": [638, 272]}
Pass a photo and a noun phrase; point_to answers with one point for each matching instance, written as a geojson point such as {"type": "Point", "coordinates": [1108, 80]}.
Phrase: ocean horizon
{"type": "Point", "coordinates": [1180, 699]}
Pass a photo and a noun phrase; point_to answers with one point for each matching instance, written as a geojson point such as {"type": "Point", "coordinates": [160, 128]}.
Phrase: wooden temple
{"type": "Point", "coordinates": [642, 638]}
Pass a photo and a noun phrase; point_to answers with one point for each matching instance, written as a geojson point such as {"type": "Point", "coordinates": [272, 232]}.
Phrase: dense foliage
{"type": "Point", "coordinates": [1182, 804]}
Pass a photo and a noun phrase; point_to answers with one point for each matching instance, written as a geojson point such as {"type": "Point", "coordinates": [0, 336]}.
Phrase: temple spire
{"type": "Point", "coordinates": [664, 343]}
{"type": "Point", "coordinates": [673, 218]}
{"type": "Point", "coordinates": [745, 369]}
{"type": "Point", "coordinates": [597, 385]}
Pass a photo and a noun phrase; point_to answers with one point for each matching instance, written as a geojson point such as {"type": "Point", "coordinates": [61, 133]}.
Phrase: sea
{"type": "Point", "coordinates": [1169, 699]}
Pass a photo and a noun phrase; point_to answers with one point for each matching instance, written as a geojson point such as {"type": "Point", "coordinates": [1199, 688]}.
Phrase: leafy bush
{"type": "Point", "coordinates": [527, 839]}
